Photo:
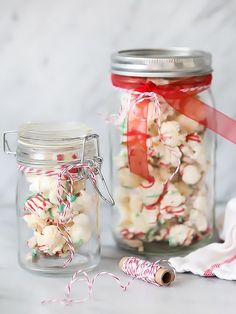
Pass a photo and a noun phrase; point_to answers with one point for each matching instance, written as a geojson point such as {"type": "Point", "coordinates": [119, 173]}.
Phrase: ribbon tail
{"type": "Point", "coordinates": [137, 137]}
{"type": "Point", "coordinates": [197, 110]}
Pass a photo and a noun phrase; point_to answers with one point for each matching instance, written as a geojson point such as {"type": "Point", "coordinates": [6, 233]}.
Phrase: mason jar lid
{"type": "Point", "coordinates": [172, 62]}
{"type": "Point", "coordinates": [55, 142]}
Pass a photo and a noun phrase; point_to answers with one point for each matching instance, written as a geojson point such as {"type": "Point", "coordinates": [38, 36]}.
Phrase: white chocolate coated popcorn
{"type": "Point", "coordinates": [170, 133]}
{"type": "Point", "coordinates": [38, 205]}
{"type": "Point", "coordinates": [191, 174]}
{"type": "Point", "coordinates": [188, 124]}
{"type": "Point", "coordinates": [128, 179]}
{"type": "Point", "coordinates": [50, 241]}
{"type": "Point", "coordinates": [84, 202]}
{"type": "Point", "coordinates": [81, 229]}
{"type": "Point", "coordinates": [150, 195]}
{"type": "Point", "coordinates": [122, 158]}
{"type": "Point", "coordinates": [180, 235]}
{"type": "Point", "coordinates": [34, 222]}
{"type": "Point", "coordinates": [171, 210]}
{"type": "Point", "coordinates": [172, 197]}
{"type": "Point", "coordinates": [198, 219]}
{"type": "Point", "coordinates": [56, 214]}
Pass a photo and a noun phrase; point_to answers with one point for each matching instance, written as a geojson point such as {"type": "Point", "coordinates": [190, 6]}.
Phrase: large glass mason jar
{"type": "Point", "coordinates": [163, 153]}
{"type": "Point", "coordinates": [57, 197]}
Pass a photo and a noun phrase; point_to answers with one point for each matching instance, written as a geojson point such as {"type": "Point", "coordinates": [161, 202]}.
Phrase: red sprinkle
{"type": "Point", "coordinates": [151, 181]}
{"type": "Point", "coordinates": [193, 137]}
{"type": "Point", "coordinates": [160, 197]}
{"type": "Point", "coordinates": [60, 157]}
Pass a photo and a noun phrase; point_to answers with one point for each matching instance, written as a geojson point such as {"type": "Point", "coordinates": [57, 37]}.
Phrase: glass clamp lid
{"type": "Point", "coordinates": [44, 145]}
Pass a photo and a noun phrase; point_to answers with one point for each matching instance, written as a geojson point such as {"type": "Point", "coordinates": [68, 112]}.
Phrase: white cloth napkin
{"type": "Point", "coordinates": [216, 259]}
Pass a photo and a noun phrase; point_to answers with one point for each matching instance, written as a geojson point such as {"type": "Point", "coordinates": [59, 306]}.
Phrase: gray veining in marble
{"type": "Point", "coordinates": [54, 61]}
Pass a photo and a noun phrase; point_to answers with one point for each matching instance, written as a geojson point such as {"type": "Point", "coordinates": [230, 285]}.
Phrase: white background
{"type": "Point", "coordinates": [54, 62]}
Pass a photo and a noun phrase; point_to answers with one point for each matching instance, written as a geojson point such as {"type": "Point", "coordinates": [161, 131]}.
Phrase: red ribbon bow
{"type": "Point", "coordinates": [180, 95]}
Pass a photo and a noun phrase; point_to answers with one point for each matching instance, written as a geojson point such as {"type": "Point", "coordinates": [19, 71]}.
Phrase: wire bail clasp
{"type": "Point", "coordinates": [6, 146]}
{"type": "Point", "coordinates": [95, 165]}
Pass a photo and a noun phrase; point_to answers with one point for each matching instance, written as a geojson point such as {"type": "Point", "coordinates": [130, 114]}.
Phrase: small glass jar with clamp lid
{"type": "Point", "coordinates": [59, 166]}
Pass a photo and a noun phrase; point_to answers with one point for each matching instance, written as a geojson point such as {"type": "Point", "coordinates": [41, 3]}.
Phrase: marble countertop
{"type": "Point", "coordinates": [22, 292]}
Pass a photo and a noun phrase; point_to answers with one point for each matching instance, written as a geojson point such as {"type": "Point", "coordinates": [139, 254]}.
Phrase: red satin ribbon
{"type": "Point", "coordinates": [184, 102]}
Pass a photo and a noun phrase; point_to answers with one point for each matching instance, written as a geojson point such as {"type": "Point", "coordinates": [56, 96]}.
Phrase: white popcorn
{"type": "Point", "coordinates": [84, 202]}
{"type": "Point", "coordinates": [45, 185]}
{"type": "Point", "coordinates": [184, 189]}
{"type": "Point", "coordinates": [199, 220]}
{"type": "Point", "coordinates": [162, 234]}
{"type": "Point", "coordinates": [165, 110]}
{"type": "Point", "coordinates": [81, 231]}
{"type": "Point", "coordinates": [188, 124]}
{"type": "Point", "coordinates": [195, 151]}
{"type": "Point", "coordinates": [143, 221]}
{"type": "Point", "coordinates": [191, 174]}
{"type": "Point", "coordinates": [164, 154]}
{"type": "Point", "coordinates": [172, 198]}
{"type": "Point", "coordinates": [135, 203]}
{"type": "Point", "coordinates": [35, 222]}
{"type": "Point", "coordinates": [170, 133]}
{"type": "Point", "coordinates": [150, 195]}
{"type": "Point", "coordinates": [180, 235]}
{"type": "Point", "coordinates": [122, 158]}
{"type": "Point", "coordinates": [50, 241]}
{"type": "Point", "coordinates": [39, 206]}
{"type": "Point", "coordinates": [128, 179]}
{"type": "Point", "coordinates": [169, 212]}
{"type": "Point", "coordinates": [200, 203]}
{"type": "Point", "coordinates": [78, 186]}
{"type": "Point", "coordinates": [122, 200]}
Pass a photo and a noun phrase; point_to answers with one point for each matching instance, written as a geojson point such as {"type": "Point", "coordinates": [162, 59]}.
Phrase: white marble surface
{"type": "Point", "coordinates": [22, 292]}
{"type": "Point", "coordinates": [54, 61]}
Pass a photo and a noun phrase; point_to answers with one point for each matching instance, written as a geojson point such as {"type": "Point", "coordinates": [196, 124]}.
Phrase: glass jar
{"type": "Point", "coordinates": [164, 154]}
{"type": "Point", "coordinates": [58, 197]}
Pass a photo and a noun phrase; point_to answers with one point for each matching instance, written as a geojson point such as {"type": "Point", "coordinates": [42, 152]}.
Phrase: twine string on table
{"type": "Point", "coordinates": [133, 266]}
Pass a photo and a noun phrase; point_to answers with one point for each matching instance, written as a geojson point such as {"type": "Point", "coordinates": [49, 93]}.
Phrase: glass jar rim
{"type": "Point", "coordinates": [169, 62]}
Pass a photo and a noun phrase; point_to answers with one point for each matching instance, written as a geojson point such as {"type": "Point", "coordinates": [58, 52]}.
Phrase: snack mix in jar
{"type": "Point", "coordinates": [164, 154]}
{"type": "Point", "coordinates": [58, 197]}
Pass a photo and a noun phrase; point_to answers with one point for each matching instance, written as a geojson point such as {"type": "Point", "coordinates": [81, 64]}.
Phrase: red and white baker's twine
{"type": "Point", "coordinates": [132, 266]}
{"type": "Point", "coordinates": [144, 270]}
{"type": "Point", "coordinates": [65, 173]}
{"type": "Point", "coordinates": [157, 114]}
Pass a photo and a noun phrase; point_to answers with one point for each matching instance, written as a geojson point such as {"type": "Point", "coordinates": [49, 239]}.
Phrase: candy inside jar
{"type": "Point", "coordinates": [164, 160]}
{"type": "Point", "coordinates": [58, 197]}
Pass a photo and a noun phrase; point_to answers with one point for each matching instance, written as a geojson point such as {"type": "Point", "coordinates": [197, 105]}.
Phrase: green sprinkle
{"type": "Point", "coordinates": [45, 198]}
{"type": "Point", "coordinates": [73, 198]}
{"type": "Point", "coordinates": [50, 213]}
{"type": "Point", "coordinates": [123, 126]}
{"type": "Point", "coordinates": [79, 243]}
{"type": "Point", "coordinates": [34, 253]}
{"type": "Point", "coordinates": [28, 197]}
{"type": "Point", "coordinates": [61, 208]}
{"type": "Point", "coordinates": [173, 192]}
